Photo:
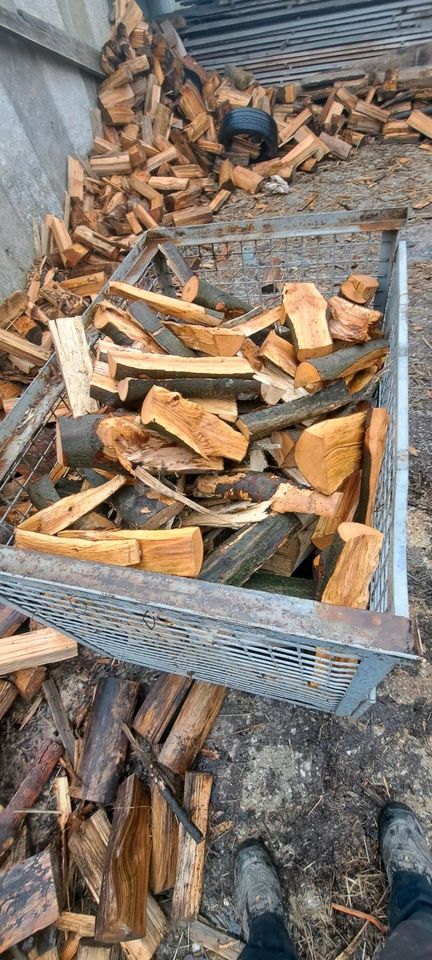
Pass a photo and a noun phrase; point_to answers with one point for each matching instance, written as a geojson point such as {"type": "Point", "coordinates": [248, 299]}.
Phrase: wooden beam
{"type": "Point", "coordinates": [43, 35]}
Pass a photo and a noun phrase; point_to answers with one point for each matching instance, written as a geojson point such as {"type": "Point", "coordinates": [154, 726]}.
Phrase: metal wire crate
{"type": "Point", "coordinates": [315, 655]}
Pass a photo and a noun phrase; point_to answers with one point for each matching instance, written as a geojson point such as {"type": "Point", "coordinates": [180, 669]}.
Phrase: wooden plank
{"type": "Point", "coordinates": [60, 717]}
{"type": "Point", "coordinates": [64, 512]}
{"type": "Point", "coordinates": [73, 354]}
{"type": "Point", "coordinates": [188, 888]}
{"type": "Point", "coordinates": [35, 648]}
{"type": "Point", "coordinates": [43, 35]}
{"type": "Point", "coordinates": [160, 705]}
{"type": "Point", "coordinates": [193, 724]}
{"type": "Point", "coordinates": [105, 745]}
{"type": "Point", "coordinates": [28, 899]}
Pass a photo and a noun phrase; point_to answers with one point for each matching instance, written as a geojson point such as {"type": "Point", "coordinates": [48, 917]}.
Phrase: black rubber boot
{"type": "Point", "coordinates": [257, 886]}
{"type": "Point", "coordinates": [408, 862]}
{"type": "Point", "coordinates": [403, 843]}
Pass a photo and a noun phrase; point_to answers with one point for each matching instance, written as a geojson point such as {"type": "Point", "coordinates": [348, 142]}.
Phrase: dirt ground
{"type": "Point", "coordinates": [309, 784]}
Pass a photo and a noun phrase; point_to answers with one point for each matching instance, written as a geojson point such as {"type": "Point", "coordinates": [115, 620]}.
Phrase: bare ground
{"type": "Point", "coordinates": [308, 784]}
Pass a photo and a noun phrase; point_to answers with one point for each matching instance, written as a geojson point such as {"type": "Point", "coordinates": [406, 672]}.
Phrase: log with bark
{"type": "Point", "coordinates": [28, 792]}
{"type": "Point", "coordinates": [306, 312]}
{"type": "Point", "coordinates": [132, 392]}
{"type": "Point", "coordinates": [104, 748]}
{"type": "Point", "coordinates": [342, 363]}
{"type": "Point", "coordinates": [162, 702]}
{"type": "Point", "coordinates": [192, 726]}
{"type": "Point", "coordinates": [198, 290]}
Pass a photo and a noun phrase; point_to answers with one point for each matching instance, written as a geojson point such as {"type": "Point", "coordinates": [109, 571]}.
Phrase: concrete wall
{"type": "Point", "coordinates": [45, 115]}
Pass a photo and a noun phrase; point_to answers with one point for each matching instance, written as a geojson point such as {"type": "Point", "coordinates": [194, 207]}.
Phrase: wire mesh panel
{"type": "Point", "coordinates": [321, 665]}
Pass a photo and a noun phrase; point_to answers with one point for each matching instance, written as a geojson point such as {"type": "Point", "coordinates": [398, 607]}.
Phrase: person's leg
{"type": "Point", "coordinates": [408, 861]}
{"type": "Point", "coordinates": [260, 906]}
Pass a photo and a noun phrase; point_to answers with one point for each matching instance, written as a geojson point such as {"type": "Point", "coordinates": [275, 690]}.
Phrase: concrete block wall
{"type": "Point", "coordinates": [45, 108]}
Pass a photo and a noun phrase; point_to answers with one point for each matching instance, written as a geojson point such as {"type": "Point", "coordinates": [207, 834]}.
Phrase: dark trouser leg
{"type": "Point", "coordinates": [268, 940]}
{"type": "Point", "coordinates": [410, 918]}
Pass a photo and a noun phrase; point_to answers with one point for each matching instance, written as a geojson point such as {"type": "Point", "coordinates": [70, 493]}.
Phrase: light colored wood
{"type": "Point", "coordinates": [420, 122]}
{"type": "Point", "coordinates": [90, 951]}
{"type": "Point", "coordinates": [162, 702]}
{"type": "Point", "coordinates": [187, 422]}
{"type": "Point", "coordinates": [360, 288]}
{"type": "Point", "coordinates": [264, 320]}
{"type": "Point", "coordinates": [287, 130]}
{"type": "Point", "coordinates": [121, 327]}
{"type": "Point", "coordinates": [338, 147]}
{"type": "Point", "coordinates": [225, 409]}
{"type": "Point", "coordinates": [164, 826]}
{"type": "Point", "coordinates": [79, 548]}
{"type": "Point", "coordinates": [341, 363]}
{"type": "Point", "coordinates": [29, 681]}
{"type": "Point", "coordinates": [291, 499]}
{"type": "Point", "coordinates": [213, 341]}
{"type": "Point", "coordinates": [80, 923]}
{"type": "Point", "coordinates": [193, 215]}
{"type": "Point", "coordinates": [62, 237]}
{"type": "Point", "coordinates": [63, 800]}
{"type": "Point", "coordinates": [21, 348]}
{"type": "Point", "coordinates": [298, 154]}
{"type": "Point", "coordinates": [377, 424]}
{"type": "Point", "coordinates": [124, 363]}
{"type": "Point", "coordinates": [8, 693]}
{"type": "Point", "coordinates": [352, 559]}
{"type": "Point", "coordinates": [74, 358]}
{"type": "Point", "coordinates": [219, 200]}
{"type": "Point", "coordinates": [329, 452]}
{"type": "Point", "coordinates": [63, 513]}
{"type": "Point", "coordinates": [247, 180]}
{"type": "Point", "coordinates": [178, 552]}
{"type": "Point", "coordinates": [193, 724]}
{"type": "Point", "coordinates": [279, 352]}
{"type": "Point", "coordinates": [306, 311]}
{"type": "Point", "coordinates": [85, 286]}
{"type": "Point", "coordinates": [169, 184]}
{"type": "Point", "coordinates": [326, 526]}
{"type": "Point", "coordinates": [215, 941]}
{"type": "Point", "coordinates": [188, 888]}
{"type": "Point", "coordinates": [169, 306]}
{"type": "Point", "coordinates": [35, 648]}
{"type": "Point", "coordinates": [351, 321]}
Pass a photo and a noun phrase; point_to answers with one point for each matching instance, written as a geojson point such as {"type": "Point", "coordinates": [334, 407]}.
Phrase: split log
{"type": "Point", "coordinates": [122, 328]}
{"type": "Point", "coordinates": [192, 426]}
{"type": "Point", "coordinates": [225, 409]}
{"type": "Point", "coordinates": [132, 392]}
{"type": "Point", "coordinates": [189, 884]}
{"type": "Point", "coordinates": [261, 322]}
{"type": "Point", "coordinates": [192, 727]}
{"type": "Point", "coordinates": [63, 513]}
{"type": "Point", "coordinates": [263, 422]}
{"type": "Point", "coordinates": [143, 509]}
{"type": "Point", "coordinates": [420, 122]}
{"type": "Point", "coordinates": [250, 485]}
{"type": "Point", "coordinates": [28, 792]}
{"type": "Point", "coordinates": [10, 620]}
{"type": "Point", "coordinates": [8, 693]}
{"type": "Point", "coordinates": [338, 147]}
{"type": "Point", "coordinates": [88, 951]}
{"type": "Point", "coordinates": [291, 553]}
{"type": "Point", "coordinates": [359, 288]}
{"type": "Point", "coordinates": [34, 649]}
{"type": "Point", "coordinates": [105, 745]}
{"type": "Point", "coordinates": [247, 180]}
{"type": "Point", "coordinates": [348, 565]}
{"type": "Point", "coordinates": [342, 363]}
{"type": "Point", "coordinates": [28, 899]}
{"type": "Point", "coordinates": [215, 941]}
{"type": "Point", "coordinates": [61, 719]}
{"type": "Point", "coordinates": [177, 552]}
{"type": "Point", "coordinates": [330, 451]}
{"type": "Point", "coordinates": [245, 551]}
{"type": "Point", "coordinates": [226, 175]}
{"type": "Point", "coordinates": [122, 906]}
{"type": "Point", "coordinates": [161, 704]}
{"type": "Point", "coordinates": [73, 354]}
{"type": "Point", "coordinates": [350, 321]}
{"type": "Point", "coordinates": [81, 923]}
{"type": "Point", "coordinates": [103, 388]}
{"type": "Point", "coordinates": [280, 352]}
{"type": "Point", "coordinates": [169, 306]}
{"type": "Point", "coordinates": [198, 290]}
{"type": "Point", "coordinates": [213, 341]}
{"type": "Point", "coordinates": [292, 499]}
{"type": "Point", "coordinates": [164, 852]}
{"type": "Point", "coordinates": [377, 424]}
{"type": "Point", "coordinates": [21, 348]}
{"type": "Point", "coordinates": [132, 363]}
{"type": "Point", "coordinates": [78, 548]}
{"type": "Point", "coordinates": [326, 526]}
{"type": "Point", "coordinates": [306, 311]}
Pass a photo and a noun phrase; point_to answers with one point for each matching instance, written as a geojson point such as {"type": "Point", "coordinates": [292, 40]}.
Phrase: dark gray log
{"type": "Point", "coordinates": [43, 493]}
{"type": "Point", "coordinates": [240, 485]}
{"type": "Point", "coordinates": [80, 444]}
{"type": "Point", "coordinates": [338, 363]}
{"type": "Point", "coordinates": [105, 745]}
{"type": "Point", "coordinates": [235, 560]}
{"type": "Point", "coordinates": [198, 290]}
{"type": "Point", "coordinates": [263, 422]}
{"type": "Point", "coordinates": [149, 321]}
{"type": "Point", "coordinates": [289, 586]}
{"type": "Point", "coordinates": [140, 509]}
{"type": "Point", "coordinates": [133, 391]}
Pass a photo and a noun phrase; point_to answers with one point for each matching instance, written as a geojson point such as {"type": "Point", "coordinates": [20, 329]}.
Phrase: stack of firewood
{"type": "Point", "coordinates": [218, 420]}
{"type": "Point", "coordinates": [130, 827]}
{"type": "Point", "coordinates": [156, 159]}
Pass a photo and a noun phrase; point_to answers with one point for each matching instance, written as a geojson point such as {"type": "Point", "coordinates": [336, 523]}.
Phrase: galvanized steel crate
{"type": "Point", "coordinates": [315, 655]}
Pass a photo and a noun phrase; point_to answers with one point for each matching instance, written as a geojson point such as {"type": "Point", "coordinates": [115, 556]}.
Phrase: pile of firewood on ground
{"type": "Point", "coordinates": [156, 159]}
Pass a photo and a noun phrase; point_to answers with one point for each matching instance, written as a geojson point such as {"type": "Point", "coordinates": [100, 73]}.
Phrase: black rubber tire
{"type": "Point", "coordinates": [257, 123]}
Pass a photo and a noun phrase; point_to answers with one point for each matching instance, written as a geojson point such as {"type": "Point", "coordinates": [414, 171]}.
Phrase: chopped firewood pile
{"type": "Point", "coordinates": [156, 160]}
{"type": "Point", "coordinates": [135, 760]}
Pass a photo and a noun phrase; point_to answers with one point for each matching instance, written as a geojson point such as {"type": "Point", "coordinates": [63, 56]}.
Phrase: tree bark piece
{"type": "Point", "coordinates": [330, 451]}
{"type": "Point", "coordinates": [178, 552]}
{"type": "Point", "coordinates": [238, 557]}
{"type": "Point", "coordinates": [28, 899]}
{"type": "Point", "coordinates": [377, 424]}
{"type": "Point", "coordinates": [161, 704]}
{"type": "Point", "coordinates": [34, 649]}
{"type": "Point", "coordinates": [306, 311]}
{"type": "Point", "coordinates": [326, 526]}
{"type": "Point", "coordinates": [133, 363]}
{"type": "Point", "coordinates": [8, 693]}
{"type": "Point", "coordinates": [165, 831]}
{"type": "Point", "coordinates": [122, 907]}
{"type": "Point", "coordinates": [250, 485]}
{"type": "Point", "coordinates": [348, 565]}
{"type": "Point", "coordinates": [287, 586]}
{"type": "Point", "coordinates": [279, 351]}
{"type": "Point", "coordinates": [198, 290]}
{"type": "Point", "coordinates": [192, 727]}
{"type": "Point", "coordinates": [28, 792]}
{"type": "Point", "coordinates": [169, 306]}
{"type": "Point", "coordinates": [74, 358]}
{"type": "Point", "coordinates": [105, 550]}
{"type": "Point", "coordinates": [263, 422]}
{"type": "Point", "coordinates": [351, 321]}
{"type": "Point", "coordinates": [359, 288]}
{"type": "Point", "coordinates": [63, 513]}
{"type": "Point", "coordinates": [88, 846]}
{"type": "Point", "coordinates": [188, 888]}
{"type": "Point", "coordinates": [192, 426]}
{"type": "Point", "coordinates": [342, 363]}
{"type": "Point", "coordinates": [213, 341]}
{"type": "Point", "coordinates": [132, 392]}
{"type": "Point", "coordinates": [105, 745]}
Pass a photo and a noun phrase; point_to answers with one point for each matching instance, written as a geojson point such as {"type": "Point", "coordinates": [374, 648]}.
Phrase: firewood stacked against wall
{"type": "Point", "coordinates": [156, 159]}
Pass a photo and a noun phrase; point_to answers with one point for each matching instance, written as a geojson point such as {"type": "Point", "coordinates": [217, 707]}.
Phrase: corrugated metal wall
{"type": "Point", "coordinates": [45, 112]}
{"type": "Point", "coordinates": [283, 40]}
